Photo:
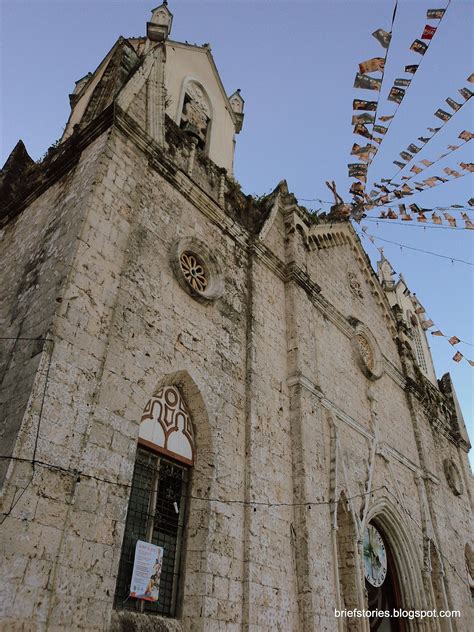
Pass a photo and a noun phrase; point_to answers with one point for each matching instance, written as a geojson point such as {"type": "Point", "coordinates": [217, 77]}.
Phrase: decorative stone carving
{"type": "Point", "coordinates": [366, 350]}
{"type": "Point", "coordinates": [196, 269]}
{"type": "Point", "coordinates": [166, 423]}
{"type": "Point", "coordinates": [354, 284]}
{"type": "Point", "coordinates": [199, 99]}
{"type": "Point", "coordinates": [453, 476]}
{"type": "Point", "coordinates": [196, 112]}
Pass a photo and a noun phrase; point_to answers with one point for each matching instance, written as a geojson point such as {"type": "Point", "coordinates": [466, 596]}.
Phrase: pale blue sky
{"type": "Point", "coordinates": [295, 63]}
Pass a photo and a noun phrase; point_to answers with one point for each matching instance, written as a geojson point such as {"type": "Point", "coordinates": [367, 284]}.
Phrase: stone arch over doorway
{"type": "Point", "coordinates": [392, 524]}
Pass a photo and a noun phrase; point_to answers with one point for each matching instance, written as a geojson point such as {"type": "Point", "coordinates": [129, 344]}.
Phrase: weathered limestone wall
{"type": "Point", "coordinates": [283, 414]}
{"type": "Point", "coordinates": [36, 250]}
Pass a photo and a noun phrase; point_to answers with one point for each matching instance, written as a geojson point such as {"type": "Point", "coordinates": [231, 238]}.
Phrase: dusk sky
{"type": "Point", "coordinates": [295, 63]}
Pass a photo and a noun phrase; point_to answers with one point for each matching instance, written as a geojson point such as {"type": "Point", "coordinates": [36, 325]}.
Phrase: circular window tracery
{"type": "Point", "coordinates": [194, 270]}
{"type": "Point", "coordinates": [197, 270]}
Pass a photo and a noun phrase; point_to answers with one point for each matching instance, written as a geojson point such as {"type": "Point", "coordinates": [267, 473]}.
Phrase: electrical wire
{"type": "Point", "coordinates": [384, 220]}
{"type": "Point", "coordinates": [252, 503]}
{"type": "Point", "coordinates": [427, 252]}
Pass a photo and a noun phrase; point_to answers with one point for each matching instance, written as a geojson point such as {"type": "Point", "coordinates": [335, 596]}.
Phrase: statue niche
{"type": "Point", "coordinates": [196, 113]}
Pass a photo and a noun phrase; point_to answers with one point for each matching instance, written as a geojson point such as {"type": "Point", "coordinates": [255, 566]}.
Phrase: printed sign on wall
{"type": "Point", "coordinates": [146, 571]}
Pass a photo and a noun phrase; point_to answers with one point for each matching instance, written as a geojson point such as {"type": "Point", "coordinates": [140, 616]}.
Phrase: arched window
{"type": "Point", "coordinates": [149, 568]}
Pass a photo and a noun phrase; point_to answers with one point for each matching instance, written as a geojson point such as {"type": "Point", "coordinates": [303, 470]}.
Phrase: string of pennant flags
{"type": "Point", "coordinates": [377, 64]}
{"type": "Point", "coordinates": [468, 206]}
{"type": "Point", "coordinates": [370, 201]}
{"type": "Point", "coordinates": [420, 214]}
{"type": "Point", "coordinates": [409, 154]}
{"type": "Point", "coordinates": [374, 128]}
{"type": "Point", "coordinates": [401, 85]}
{"type": "Point", "coordinates": [466, 136]}
{"type": "Point", "coordinates": [405, 190]}
{"type": "Point", "coordinates": [427, 323]}
{"type": "Point", "coordinates": [415, 170]}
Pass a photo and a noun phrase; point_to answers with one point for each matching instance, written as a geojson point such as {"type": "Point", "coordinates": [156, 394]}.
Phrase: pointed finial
{"type": "Point", "coordinates": [159, 26]}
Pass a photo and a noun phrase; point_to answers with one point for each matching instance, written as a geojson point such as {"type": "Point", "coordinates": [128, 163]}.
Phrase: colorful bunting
{"type": "Point", "coordinates": [428, 32]}
{"type": "Point", "coordinates": [402, 83]}
{"type": "Point", "coordinates": [362, 130]}
{"type": "Point", "coordinates": [376, 64]}
{"type": "Point", "coordinates": [471, 78]}
{"type": "Point", "coordinates": [359, 104]}
{"type": "Point", "coordinates": [453, 104]}
{"type": "Point", "coordinates": [412, 68]}
{"type": "Point", "coordinates": [466, 135]}
{"type": "Point", "coordinates": [458, 356]}
{"type": "Point", "coordinates": [357, 170]}
{"type": "Point", "coordinates": [451, 220]}
{"type": "Point", "coordinates": [363, 118]}
{"type": "Point", "coordinates": [426, 324]}
{"type": "Point", "coordinates": [396, 95]}
{"type": "Point", "coordinates": [419, 47]}
{"type": "Point", "coordinates": [384, 119]}
{"type": "Point", "coordinates": [382, 37]}
{"type": "Point", "coordinates": [441, 114]}
{"type": "Point", "coordinates": [465, 93]}
{"type": "Point", "coordinates": [435, 14]}
{"type": "Point", "coordinates": [454, 340]}
{"type": "Point", "coordinates": [366, 82]}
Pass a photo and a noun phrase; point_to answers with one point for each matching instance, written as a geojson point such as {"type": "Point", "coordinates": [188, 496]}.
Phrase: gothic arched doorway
{"type": "Point", "coordinates": [381, 582]}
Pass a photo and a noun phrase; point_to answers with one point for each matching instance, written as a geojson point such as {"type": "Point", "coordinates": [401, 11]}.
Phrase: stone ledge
{"type": "Point", "coordinates": [126, 621]}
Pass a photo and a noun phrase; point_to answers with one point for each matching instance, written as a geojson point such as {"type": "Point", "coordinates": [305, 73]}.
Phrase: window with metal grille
{"type": "Point", "coordinates": [155, 514]}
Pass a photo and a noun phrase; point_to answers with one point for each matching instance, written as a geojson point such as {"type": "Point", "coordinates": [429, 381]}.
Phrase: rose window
{"type": "Point", "coordinates": [194, 271]}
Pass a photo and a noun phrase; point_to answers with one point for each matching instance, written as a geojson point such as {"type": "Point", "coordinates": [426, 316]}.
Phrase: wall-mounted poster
{"type": "Point", "coordinates": [146, 574]}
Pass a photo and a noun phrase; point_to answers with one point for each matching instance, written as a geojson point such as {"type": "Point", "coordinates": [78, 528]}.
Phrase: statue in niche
{"type": "Point", "coordinates": [196, 115]}
{"type": "Point", "coordinates": [354, 284]}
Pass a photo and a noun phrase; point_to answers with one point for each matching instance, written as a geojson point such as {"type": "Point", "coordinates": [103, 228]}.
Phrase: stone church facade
{"type": "Point", "coordinates": [223, 377]}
